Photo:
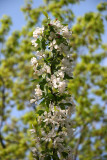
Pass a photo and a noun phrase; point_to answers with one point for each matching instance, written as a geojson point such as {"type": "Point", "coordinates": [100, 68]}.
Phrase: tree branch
{"type": "Point", "coordinates": [78, 142]}
{"type": "Point", "coordinates": [2, 110]}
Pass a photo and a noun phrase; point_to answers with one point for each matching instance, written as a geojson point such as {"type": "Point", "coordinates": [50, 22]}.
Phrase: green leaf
{"type": "Point", "coordinates": [35, 80]}
{"type": "Point", "coordinates": [43, 44]}
{"type": "Point", "coordinates": [42, 83]}
{"type": "Point", "coordinates": [40, 112]}
{"type": "Point", "coordinates": [67, 76]}
{"type": "Point", "coordinates": [64, 154]}
{"type": "Point", "coordinates": [45, 14]}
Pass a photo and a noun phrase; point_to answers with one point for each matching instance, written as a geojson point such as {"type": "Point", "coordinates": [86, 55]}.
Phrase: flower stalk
{"type": "Point", "coordinates": [53, 67]}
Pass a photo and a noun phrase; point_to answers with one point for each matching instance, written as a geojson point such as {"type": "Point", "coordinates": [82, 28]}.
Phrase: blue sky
{"type": "Point", "coordinates": [12, 8]}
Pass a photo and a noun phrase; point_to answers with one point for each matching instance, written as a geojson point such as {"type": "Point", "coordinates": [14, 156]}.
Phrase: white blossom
{"type": "Point", "coordinates": [46, 68]}
{"type": "Point", "coordinates": [66, 33]}
{"type": "Point", "coordinates": [40, 54]}
{"type": "Point", "coordinates": [56, 46]}
{"type": "Point", "coordinates": [32, 131]}
{"type": "Point", "coordinates": [60, 73]}
{"type": "Point", "coordinates": [55, 124]}
{"type": "Point", "coordinates": [52, 44]}
{"type": "Point", "coordinates": [38, 91]}
{"type": "Point", "coordinates": [62, 86]}
{"type": "Point", "coordinates": [34, 43]}
{"type": "Point", "coordinates": [32, 100]}
{"type": "Point", "coordinates": [52, 35]}
{"type": "Point", "coordinates": [33, 61]}
{"type": "Point", "coordinates": [37, 32]}
{"type": "Point", "coordinates": [56, 23]}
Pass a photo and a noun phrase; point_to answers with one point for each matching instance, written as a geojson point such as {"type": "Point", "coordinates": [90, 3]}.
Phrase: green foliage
{"type": "Point", "coordinates": [89, 86]}
{"type": "Point", "coordinates": [102, 6]}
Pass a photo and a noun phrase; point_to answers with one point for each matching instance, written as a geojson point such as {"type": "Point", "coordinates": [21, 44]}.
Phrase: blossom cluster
{"type": "Point", "coordinates": [56, 118]}
{"type": "Point", "coordinates": [53, 67]}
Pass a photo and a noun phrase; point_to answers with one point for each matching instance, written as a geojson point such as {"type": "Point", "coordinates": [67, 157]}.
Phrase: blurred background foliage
{"type": "Point", "coordinates": [89, 86]}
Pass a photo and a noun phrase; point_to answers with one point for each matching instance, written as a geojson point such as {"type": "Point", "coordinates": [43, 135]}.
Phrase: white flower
{"type": "Point", "coordinates": [60, 74]}
{"type": "Point", "coordinates": [58, 140]}
{"type": "Point", "coordinates": [38, 91]}
{"type": "Point", "coordinates": [33, 61]}
{"type": "Point", "coordinates": [50, 38]}
{"type": "Point", "coordinates": [38, 31]}
{"type": "Point", "coordinates": [32, 100]}
{"type": "Point", "coordinates": [32, 131]}
{"type": "Point", "coordinates": [33, 149]}
{"type": "Point", "coordinates": [54, 81]}
{"type": "Point", "coordinates": [52, 22]}
{"type": "Point", "coordinates": [52, 44]}
{"type": "Point", "coordinates": [66, 33]}
{"type": "Point", "coordinates": [63, 47]}
{"type": "Point", "coordinates": [47, 139]}
{"type": "Point", "coordinates": [40, 54]}
{"type": "Point", "coordinates": [69, 56]}
{"type": "Point", "coordinates": [65, 29]}
{"type": "Point", "coordinates": [52, 35]}
{"type": "Point", "coordinates": [56, 47]}
{"type": "Point", "coordinates": [47, 68]}
{"type": "Point", "coordinates": [34, 43]}
{"type": "Point", "coordinates": [57, 83]}
{"type": "Point", "coordinates": [43, 133]}
{"type": "Point", "coordinates": [56, 23]}
{"type": "Point", "coordinates": [61, 86]}
{"type": "Point", "coordinates": [35, 69]}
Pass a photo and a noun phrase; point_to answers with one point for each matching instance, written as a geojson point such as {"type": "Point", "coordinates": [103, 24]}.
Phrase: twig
{"type": "Point", "coordinates": [2, 111]}
{"type": "Point", "coordinates": [79, 141]}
